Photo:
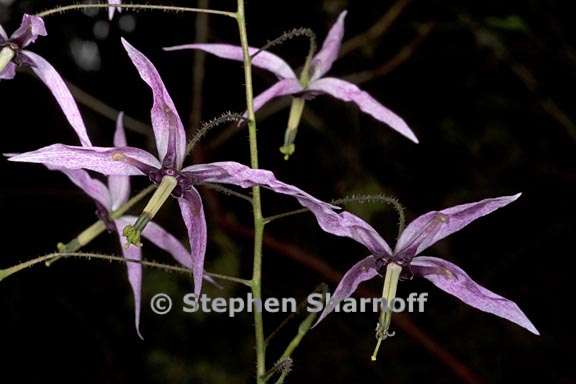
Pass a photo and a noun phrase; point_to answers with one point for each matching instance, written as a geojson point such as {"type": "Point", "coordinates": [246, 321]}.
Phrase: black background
{"type": "Point", "coordinates": [486, 129]}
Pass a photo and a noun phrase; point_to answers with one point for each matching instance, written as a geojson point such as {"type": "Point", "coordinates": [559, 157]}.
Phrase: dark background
{"type": "Point", "coordinates": [488, 87]}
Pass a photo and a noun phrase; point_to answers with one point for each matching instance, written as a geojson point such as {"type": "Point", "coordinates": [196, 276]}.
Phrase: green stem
{"type": "Point", "coordinates": [98, 227]}
{"type": "Point", "coordinates": [53, 256]}
{"type": "Point", "coordinates": [256, 199]}
{"type": "Point", "coordinates": [165, 8]}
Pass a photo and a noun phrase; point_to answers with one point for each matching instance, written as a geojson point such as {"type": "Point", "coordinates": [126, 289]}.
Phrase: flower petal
{"type": "Point", "coordinates": [108, 161]}
{"type": "Point", "coordinates": [338, 223]}
{"type": "Point", "coordinates": [168, 128]}
{"type": "Point", "coordinates": [119, 185]}
{"type": "Point", "coordinates": [111, 10]}
{"type": "Point", "coordinates": [453, 280]}
{"type": "Point", "coordinates": [92, 187]}
{"type": "Point", "coordinates": [324, 59]}
{"type": "Point", "coordinates": [281, 88]}
{"type": "Point", "coordinates": [46, 72]}
{"type": "Point", "coordinates": [193, 215]}
{"type": "Point", "coordinates": [264, 59]}
{"type": "Point", "coordinates": [9, 72]}
{"type": "Point", "coordinates": [134, 270]}
{"type": "Point", "coordinates": [349, 92]}
{"type": "Point", "coordinates": [30, 29]}
{"type": "Point", "coordinates": [363, 270]}
{"type": "Point", "coordinates": [3, 35]}
{"type": "Point", "coordinates": [436, 225]}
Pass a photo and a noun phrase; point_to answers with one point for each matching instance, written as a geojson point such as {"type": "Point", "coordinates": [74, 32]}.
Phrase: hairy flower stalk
{"type": "Point", "coordinates": [391, 279]}
{"type": "Point", "coordinates": [163, 192]}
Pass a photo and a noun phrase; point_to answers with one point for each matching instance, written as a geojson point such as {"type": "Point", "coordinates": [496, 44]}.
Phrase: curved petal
{"type": "Point", "coordinates": [3, 35]}
{"type": "Point", "coordinates": [363, 270]}
{"type": "Point", "coordinates": [119, 185]}
{"type": "Point", "coordinates": [125, 161]}
{"type": "Point", "coordinates": [30, 29]}
{"type": "Point", "coordinates": [92, 187]}
{"type": "Point", "coordinates": [264, 59]}
{"type": "Point", "coordinates": [324, 59]}
{"type": "Point", "coordinates": [111, 10]}
{"type": "Point", "coordinates": [46, 72]}
{"type": "Point", "coordinates": [281, 88]}
{"type": "Point", "coordinates": [168, 128]}
{"type": "Point", "coordinates": [453, 280]}
{"type": "Point", "coordinates": [338, 223]}
{"type": "Point", "coordinates": [193, 215]}
{"type": "Point", "coordinates": [134, 270]}
{"type": "Point", "coordinates": [436, 225]}
{"type": "Point", "coordinates": [9, 72]}
{"type": "Point", "coordinates": [349, 92]}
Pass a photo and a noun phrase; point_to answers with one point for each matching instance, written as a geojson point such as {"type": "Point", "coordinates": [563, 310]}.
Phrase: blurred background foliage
{"type": "Point", "coordinates": [487, 86]}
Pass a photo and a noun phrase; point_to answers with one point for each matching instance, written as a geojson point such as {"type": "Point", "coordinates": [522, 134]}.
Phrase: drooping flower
{"type": "Point", "coordinates": [111, 10]}
{"type": "Point", "coordinates": [14, 54]}
{"type": "Point", "coordinates": [109, 198]}
{"type": "Point", "coordinates": [419, 235]}
{"type": "Point", "coordinates": [310, 83]}
{"type": "Point", "coordinates": [172, 178]}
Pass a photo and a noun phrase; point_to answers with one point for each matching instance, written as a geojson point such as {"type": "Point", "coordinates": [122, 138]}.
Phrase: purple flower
{"type": "Point", "coordinates": [172, 178]}
{"type": "Point", "coordinates": [422, 233]}
{"type": "Point", "coordinates": [310, 84]}
{"type": "Point", "coordinates": [13, 54]}
{"type": "Point", "coordinates": [111, 10]}
{"type": "Point", "coordinates": [109, 198]}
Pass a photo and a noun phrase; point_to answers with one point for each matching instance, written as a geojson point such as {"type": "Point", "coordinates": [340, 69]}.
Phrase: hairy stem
{"type": "Point", "coordinates": [256, 199]}
{"type": "Point", "coordinates": [148, 7]}
{"type": "Point", "coordinates": [97, 256]}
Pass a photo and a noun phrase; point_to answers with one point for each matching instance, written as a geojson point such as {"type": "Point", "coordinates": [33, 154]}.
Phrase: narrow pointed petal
{"type": "Point", "coordinates": [453, 280]}
{"type": "Point", "coordinates": [124, 161]}
{"type": "Point", "coordinates": [9, 72]}
{"type": "Point", "coordinates": [363, 270]}
{"type": "Point", "coordinates": [168, 128]}
{"type": "Point", "coordinates": [49, 76]}
{"type": "Point", "coordinates": [264, 59]}
{"type": "Point", "coordinates": [338, 223]}
{"type": "Point", "coordinates": [324, 59]}
{"type": "Point", "coordinates": [436, 225]}
{"type": "Point", "coordinates": [119, 185]}
{"type": "Point", "coordinates": [193, 215]}
{"type": "Point", "coordinates": [134, 271]}
{"type": "Point", "coordinates": [113, 9]}
{"type": "Point", "coordinates": [30, 29]}
{"type": "Point", "coordinates": [281, 88]}
{"type": "Point", "coordinates": [3, 35]}
{"type": "Point", "coordinates": [92, 187]}
{"type": "Point", "coordinates": [349, 92]}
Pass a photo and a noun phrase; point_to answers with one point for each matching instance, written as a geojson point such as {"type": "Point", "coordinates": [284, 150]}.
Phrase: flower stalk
{"type": "Point", "coordinates": [150, 7]}
{"type": "Point", "coordinates": [96, 229]}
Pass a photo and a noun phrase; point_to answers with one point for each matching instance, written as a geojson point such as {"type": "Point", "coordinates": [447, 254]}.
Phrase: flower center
{"type": "Point", "coordinates": [163, 192]}
{"type": "Point", "coordinates": [7, 53]}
